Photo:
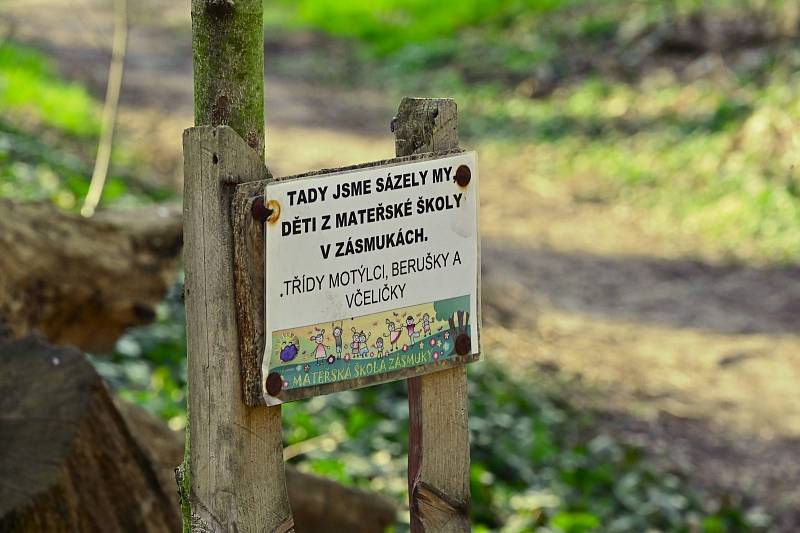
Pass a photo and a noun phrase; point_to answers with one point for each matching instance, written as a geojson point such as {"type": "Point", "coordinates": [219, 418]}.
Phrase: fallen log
{"type": "Point", "coordinates": [84, 281]}
{"type": "Point", "coordinates": [71, 459]}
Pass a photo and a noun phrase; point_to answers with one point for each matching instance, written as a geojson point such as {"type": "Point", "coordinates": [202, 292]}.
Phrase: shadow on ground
{"type": "Point", "coordinates": [730, 299]}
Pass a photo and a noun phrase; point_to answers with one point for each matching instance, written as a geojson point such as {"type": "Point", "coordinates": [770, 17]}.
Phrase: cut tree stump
{"type": "Point", "coordinates": [68, 461]}
{"type": "Point", "coordinates": [71, 459]}
{"type": "Point", "coordinates": [84, 281]}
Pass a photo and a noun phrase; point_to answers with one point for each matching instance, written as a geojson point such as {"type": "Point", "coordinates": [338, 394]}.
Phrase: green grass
{"type": "Point", "coordinates": [48, 137]}
{"type": "Point", "coordinates": [700, 160]}
{"type": "Point", "coordinates": [387, 26]}
{"type": "Point", "coordinates": [29, 88]}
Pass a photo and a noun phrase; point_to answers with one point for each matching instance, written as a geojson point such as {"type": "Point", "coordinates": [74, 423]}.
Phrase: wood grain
{"type": "Point", "coordinates": [249, 271]}
{"type": "Point", "coordinates": [424, 125]}
{"type": "Point", "coordinates": [68, 461]}
{"type": "Point", "coordinates": [438, 457]}
{"type": "Point", "coordinates": [235, 479]}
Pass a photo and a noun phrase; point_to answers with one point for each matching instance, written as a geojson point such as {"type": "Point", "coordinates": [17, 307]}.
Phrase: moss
{"type": "Point", "coordinates": [228, 54]}
{"type": "Point", "coordinates": [185, 482]}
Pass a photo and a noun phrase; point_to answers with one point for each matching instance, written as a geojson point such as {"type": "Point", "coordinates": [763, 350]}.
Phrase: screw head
{"type": "Point", "coordinates": [259, 210]}
{"type": "Point", "coordinates": [273, 211]}
{"type": "Point", "coordinates": [274, 384]}
{"type": "Point", "coordinates": [463, 175]}
{"type": "Point", "coordinates": [268, 212]}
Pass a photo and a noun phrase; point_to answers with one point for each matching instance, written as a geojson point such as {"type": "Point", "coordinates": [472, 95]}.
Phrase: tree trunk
{"type": "Point", "coordinates": [232, 477]}
{"type": "Point", "coordinates": [228, 58]}
{"type": "Point", "coordinates": [83, 282]}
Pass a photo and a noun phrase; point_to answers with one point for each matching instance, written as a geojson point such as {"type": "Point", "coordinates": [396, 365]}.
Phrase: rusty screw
{"type": "Point", "coordinates": [274, 384]}
{"type": "Point", "coordinates": [463, 175]}
{"type": "Point", "coordinates": [268, 212]}
{"type": "Point", "coordinates": [259, 210]}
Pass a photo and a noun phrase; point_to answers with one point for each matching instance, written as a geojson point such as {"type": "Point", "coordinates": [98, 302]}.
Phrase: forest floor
{"type": "Point", "coordinates": [694, 358]}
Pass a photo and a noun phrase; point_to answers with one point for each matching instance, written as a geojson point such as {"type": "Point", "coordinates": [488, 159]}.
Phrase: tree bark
{"type": "Point", "coordinates": [83, 282]}
{"type": "Point", "coordinates": [228, 58]}
{"type": "Point", "coordinates": [232, 477]}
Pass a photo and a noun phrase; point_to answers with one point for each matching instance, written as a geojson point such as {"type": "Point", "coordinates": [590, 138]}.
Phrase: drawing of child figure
{"type": "Point", "coordinates": [379, 346]}
{"type": "Point", "coordinates": [393, 333]}
{"type": "Point", "coordinates": [355, 346]}
{"type": "Point", "coordinates": [410, 327]}
{"type": "Point", "coordinates": [320, 352]}
{"type": "Point", "coordinates": [337, 337]}
{"type": "Point", "coordinates": [426, 324]}
{"type": "Point", "coordinates": [364, 350]}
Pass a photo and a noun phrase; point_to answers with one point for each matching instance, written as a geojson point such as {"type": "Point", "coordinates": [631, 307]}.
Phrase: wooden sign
{"type": "Point", "coordinates": [371, 275]}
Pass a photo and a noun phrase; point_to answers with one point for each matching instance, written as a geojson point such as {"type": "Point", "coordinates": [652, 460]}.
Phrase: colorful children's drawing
{"type": "Point", "coordinates": [321, 350]}
{"type": "Point", "coordinates": [430, 329]}
{"type": "Point", "coordinates": [393, 333]}
{"type": "Point", "coordinates": [288, 349]}
{"type": "Point", "coordinates": [410, 327]}
{"type": "Point", "coordinates": [337, 337]}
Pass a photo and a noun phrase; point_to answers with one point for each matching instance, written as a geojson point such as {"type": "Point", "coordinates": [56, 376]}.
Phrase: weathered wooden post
{"type": "Point", "coordinates": [232, 478]}
{"type": "Point", "coordinates": [438, 448]}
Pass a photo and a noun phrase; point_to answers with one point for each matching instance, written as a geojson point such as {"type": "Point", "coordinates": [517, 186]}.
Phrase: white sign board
{"type": "Point", "coordinates": [370, 272]}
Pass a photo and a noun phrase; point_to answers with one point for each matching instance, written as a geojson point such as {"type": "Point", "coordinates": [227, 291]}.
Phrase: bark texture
{"type": "Point", "coordinates": [68, 461]}
{"type": "Point", "coordinates": [228, 57]}
{"type": "Point", "coordinates": [83, 282]}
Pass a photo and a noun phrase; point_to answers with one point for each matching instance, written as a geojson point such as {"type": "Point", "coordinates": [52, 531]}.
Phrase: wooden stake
{"type": "Point", "coordinates": [235, 480]}
{"type": "Point", "coordinates": [438, 456]}
{"type": "Point", "coordinates": [232, 478]}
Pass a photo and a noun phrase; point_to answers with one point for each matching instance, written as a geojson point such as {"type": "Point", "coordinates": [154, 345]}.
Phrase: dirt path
{"type": "Point", "coordinates": [698, 361]}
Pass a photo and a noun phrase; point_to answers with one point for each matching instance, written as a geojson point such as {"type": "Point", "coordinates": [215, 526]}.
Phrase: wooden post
{"type": "Point", "coordinates": [232, 478]}
{"type": "Point", "coordinates": [438, 456]}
